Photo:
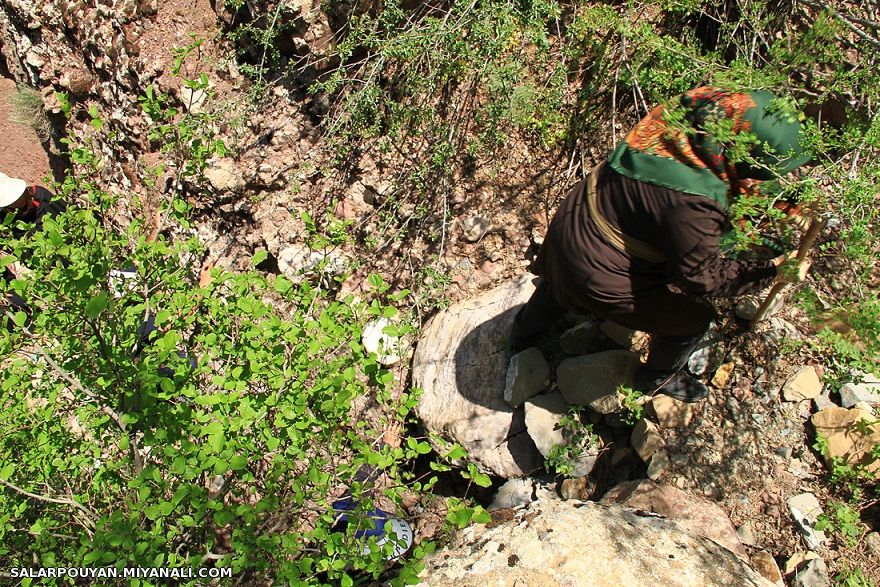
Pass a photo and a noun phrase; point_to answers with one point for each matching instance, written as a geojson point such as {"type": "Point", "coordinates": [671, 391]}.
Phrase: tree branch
{"type": "Point", "coordinates": [90, 515]}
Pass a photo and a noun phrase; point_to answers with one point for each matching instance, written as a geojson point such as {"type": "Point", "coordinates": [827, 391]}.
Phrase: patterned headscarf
{"type": "Point", "coordinates": [715, 138]}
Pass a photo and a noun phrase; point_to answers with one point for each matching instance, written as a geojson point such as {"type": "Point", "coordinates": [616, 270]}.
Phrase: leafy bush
{"type": "Point", "coordinates": [221, 438]}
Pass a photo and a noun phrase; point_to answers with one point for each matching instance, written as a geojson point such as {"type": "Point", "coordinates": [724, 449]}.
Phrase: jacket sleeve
{"type": "Point", "coordinates": [690, 235]}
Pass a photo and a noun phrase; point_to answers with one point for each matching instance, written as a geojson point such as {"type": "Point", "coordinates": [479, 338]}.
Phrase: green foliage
{"type": "Point", "coordinates": [852, 578]}
{"type": "Point", "coordinates": [223, 442]}
{"type": "Point", "coordinates": [634, 407]}
{"type": "Point", "coordinates": [843, 520]}
{"type": "Point", "coordinates": [188, 138]}
{"type": "Point", "coordinates": [580, 440]}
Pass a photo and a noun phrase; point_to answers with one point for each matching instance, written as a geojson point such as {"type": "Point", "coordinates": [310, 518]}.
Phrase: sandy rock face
{"type": "Point", "coordinates": [555, 543]}
{"type": "Point", "coordinates": [461, 365]}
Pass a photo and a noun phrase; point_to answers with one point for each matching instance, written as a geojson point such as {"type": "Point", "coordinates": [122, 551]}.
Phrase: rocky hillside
{"type": "Point", "coordinates": [322, 143]}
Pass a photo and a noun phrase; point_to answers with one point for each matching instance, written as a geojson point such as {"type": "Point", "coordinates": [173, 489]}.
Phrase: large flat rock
{"type": "Point", "coordinates": [584, 380]}
{"type": "Point", "coordinates": [553, 543]}
{"type": "Point", "coordinates": [461, 364]}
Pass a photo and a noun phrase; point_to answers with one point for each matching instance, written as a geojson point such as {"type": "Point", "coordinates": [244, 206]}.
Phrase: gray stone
{"type": "Point", "coordinates": [543, 415]}
{"type": "Point", "coordinates": [698, 515]}
{"type": "Point", "coordinates": [804, 384]}
{"type": "Point", "coordinates": [607, 404]}
{"type": "Point", "coordinates": [298, 261]}
{"type": "Point", "coordinates": [580, 339]}
{"type": "Point", "coordinates": [747, 306]}
{"type": "Point", "coordinates": [783, 452]}
{"type": "Point", "coordinates": [570, 543]}
{"type": "Point", "coordinates": [646, 439]}
{"type": "Point", "coordinates": [812, 573]}
{"type": "Point", "coordinates": [193, 100]}
{"type": "Point", "coordinates": [659, 464]}
{"type": "Point", "coordinates": [460, 364]}
{"type": "Point", "coordinates": [734, 411]}
{"type": "Point", "coordinates": [527, 375]}
{"type": "Point", "coordinates": [475, 227]}
{"type": "Point", "coordinates": [867, 391]}
{"type": "Point", "coordinates": [389, 349]}
{"type": "Point", "coordinates": [823, 401]}
{"type": "Point", "coordinates": [679, 459]}
{"type": "Point", "coordinates": [583, 380]}
{"type": "Point", "coordinates": [872, 541]}
{"type": "Point", "coordinates": [514, 493]}
{"type": "Point", "coordinates": [805, 509]}
{"type": "Point", "coordinates": [746, 533]}
{"type": "Point", "coordinates": [783, 329]}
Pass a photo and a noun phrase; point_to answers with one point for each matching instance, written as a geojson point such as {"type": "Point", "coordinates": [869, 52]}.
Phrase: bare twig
{"type": "Point", "coordinates": [90, 515]}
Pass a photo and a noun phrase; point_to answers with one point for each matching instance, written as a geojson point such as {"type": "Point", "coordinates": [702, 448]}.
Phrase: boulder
{"type": "Point", "coordinates": [461, 364]}
{"type": "Point", "coordinates": [697, 515]}
{"type": "Point", "coordinates": [804, 384]}
{"type": "Point", "coordinates": [847, 440]}
{"type": "Point", "coordinates": [554, 543]}
{"type": "Point", "coordinates": [583, 380]}
{"type": "Point", "coordinates": [527, 374]}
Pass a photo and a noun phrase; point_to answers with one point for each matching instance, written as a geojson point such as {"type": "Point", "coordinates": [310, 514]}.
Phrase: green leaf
{"type": "Point", "coordinates": [19, 318]}
{"type": "Point", "coordinates": [482, 480]}
{"type": "Point", "coordinates": [96, 305]}
{"type": "Point", "coordinates": [238, 462]}
{"type": "Point", "coordinates": [7, 471]}
{"type": "Point", "coordinates": [259, 257]}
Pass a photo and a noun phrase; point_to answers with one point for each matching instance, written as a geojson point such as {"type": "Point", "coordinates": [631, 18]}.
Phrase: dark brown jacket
{"type": "Point", "coordinates": [584, 271]}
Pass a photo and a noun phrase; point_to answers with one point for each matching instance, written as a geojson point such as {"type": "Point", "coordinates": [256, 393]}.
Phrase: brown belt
{"type": "Point", "coordinates": [614, 236]}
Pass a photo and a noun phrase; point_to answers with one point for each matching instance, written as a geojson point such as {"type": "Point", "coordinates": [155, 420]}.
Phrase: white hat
{"type": "Point", "coordinates": [11, 189]}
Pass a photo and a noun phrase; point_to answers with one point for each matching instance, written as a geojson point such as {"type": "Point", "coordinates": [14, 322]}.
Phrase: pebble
{"type": "Point", "coordinates": [759, 419]}
{"type": "Point", "coordinates": [783, 452]}
{"type": "Point", "coordinates": [813, 573]}
{"type": "Point", "coordinates": [746, 533]}
{"type": "Point", "coordinates": [679, 459]}
{"type": "Point", "coordinates": [475, 227]}
{"type": "Point", "coordinates": [734, 411]}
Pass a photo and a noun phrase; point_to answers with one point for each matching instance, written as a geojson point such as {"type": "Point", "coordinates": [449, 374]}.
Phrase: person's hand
{"type": "Point", "coordinates": [789, 269]}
